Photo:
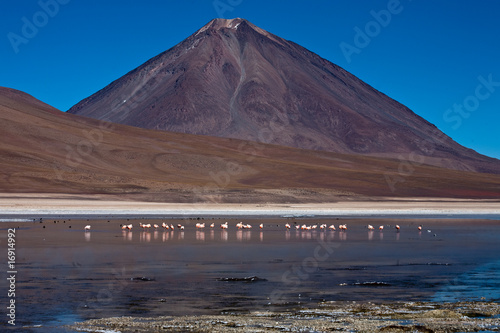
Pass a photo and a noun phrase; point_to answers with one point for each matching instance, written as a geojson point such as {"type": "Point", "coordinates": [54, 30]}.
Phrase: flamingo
{"type": "Point", "coordinates": [314, 226]}
{"type": "Point", "coordinates": [239, 225]}
{"type": "Point", "coordinates": [370, 227]}
{"type": "Point", "coordinates": [247, 226]}
{"type": "Point", "coordinates": [155, 226]}
{"type": "Point", "coordinates": [297, 227]}
{"type": "Point", "coordinates": [129, 227]}
{"type": "Point", "coordinates": [224, 226]}
{"type": "Point", "coordinates": [287, 226]}
{"type": "Point", "coordinates": [322, 227]}
{"type": "Point", "coordinates": [332, 227]}
{"type": "Point", "coordinates": [419, 228]}
{"type": "Point", "coordinates": [172, 227]}
{"type": "Point", "coordinates": [164, 225]}
{"type": "Point", "coordinates": [261, 226]}
{"type": "Point", "coordinates": [87, 228]}
{"type": "Point", "coordinates": [381, 228]}
{"type": "Point", "coordinates": [397, 227]}
{"type": "Point", "coordinates": [200, 225]}
{"type": "Point", "coordinates": [124, 227]}
{"type": "Point", "coordinates": [212, 225]}
{"type": "Point", "coordinates": [181, 227]}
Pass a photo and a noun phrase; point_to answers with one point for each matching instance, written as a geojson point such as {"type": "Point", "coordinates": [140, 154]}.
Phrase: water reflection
{"type": "Point", "coordinates": [87, 236]}
{"type": "Point", "coordinates": [243, 235]}
{"type": "Point", "coordinates": [127, 235]}
{"type": "Point", "coordinates": [224, 235]}
{"type": "Point", "coordinates": [200, 236]}
{"type": "Point", "coordinates": [145, 236]}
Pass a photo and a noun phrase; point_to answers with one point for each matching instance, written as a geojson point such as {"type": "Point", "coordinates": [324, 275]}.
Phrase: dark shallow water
{"type": "Point", "coordinates": [66, 274]}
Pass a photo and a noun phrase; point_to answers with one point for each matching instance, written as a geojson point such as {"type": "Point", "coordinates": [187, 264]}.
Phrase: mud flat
{"type": "Point", "coordinates": [327, 317]}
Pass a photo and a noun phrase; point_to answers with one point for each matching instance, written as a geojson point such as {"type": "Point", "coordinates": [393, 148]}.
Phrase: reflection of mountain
{"type": "Point", "coordinates": [44, 150]}
{"type": "Point", "coordinates": [232, 79]}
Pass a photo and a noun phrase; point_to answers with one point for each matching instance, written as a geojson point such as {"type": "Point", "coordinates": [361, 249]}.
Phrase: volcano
{"type": "Point", "coordinates": [233, 79]}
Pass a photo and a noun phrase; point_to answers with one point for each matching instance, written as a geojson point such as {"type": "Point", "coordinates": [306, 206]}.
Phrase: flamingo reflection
{"type": "Point", "coordinates": [200, 235]}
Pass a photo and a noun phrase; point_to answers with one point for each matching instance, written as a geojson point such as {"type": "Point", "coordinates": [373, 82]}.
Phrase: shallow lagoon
{"type": "Point", "coordinates": [66, 274]}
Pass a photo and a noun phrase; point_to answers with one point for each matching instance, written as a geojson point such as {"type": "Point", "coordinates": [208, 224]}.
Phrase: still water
{"type": "Point", "coordinates": [66, 274]}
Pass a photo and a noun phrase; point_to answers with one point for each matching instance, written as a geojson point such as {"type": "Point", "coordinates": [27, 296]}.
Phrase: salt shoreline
{"type": "Point", "coordinates": [30, 206]}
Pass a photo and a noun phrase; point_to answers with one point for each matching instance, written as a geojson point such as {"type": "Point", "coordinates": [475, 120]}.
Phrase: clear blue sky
{"type": "Point", "coordinates": [429, 55]}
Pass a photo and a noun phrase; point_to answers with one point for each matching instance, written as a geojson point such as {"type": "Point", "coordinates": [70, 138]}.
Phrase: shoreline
{"type": "Point", "coordinates": [326, 317]}
{"type": "Point", "coordinates": [30, 206]}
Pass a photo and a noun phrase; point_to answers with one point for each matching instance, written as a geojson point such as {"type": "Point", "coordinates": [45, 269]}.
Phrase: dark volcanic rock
{"type": "Point", "coordinates": [232, 79]}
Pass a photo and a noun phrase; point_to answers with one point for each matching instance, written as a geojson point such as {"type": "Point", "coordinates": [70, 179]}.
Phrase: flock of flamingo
{"type": "Point", "coordinates": [241, 225]}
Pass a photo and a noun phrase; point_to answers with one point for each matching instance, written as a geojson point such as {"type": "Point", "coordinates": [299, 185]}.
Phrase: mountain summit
{"type": "Point", "coordinates": [233, 79]}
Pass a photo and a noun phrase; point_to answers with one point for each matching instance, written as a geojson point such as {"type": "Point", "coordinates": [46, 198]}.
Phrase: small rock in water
{"type": "Point", "coordinates": [142, 278]}
{"type": "Point", "coordinates": [245, 279]}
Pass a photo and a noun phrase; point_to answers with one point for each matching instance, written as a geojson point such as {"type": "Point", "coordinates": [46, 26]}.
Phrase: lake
{"type": "Point", "coordinates": [66, 274]}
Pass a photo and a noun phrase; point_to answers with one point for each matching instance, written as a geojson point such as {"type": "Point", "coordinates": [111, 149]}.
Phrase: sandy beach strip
{"type": "Point", "coordinates": [32, 206]}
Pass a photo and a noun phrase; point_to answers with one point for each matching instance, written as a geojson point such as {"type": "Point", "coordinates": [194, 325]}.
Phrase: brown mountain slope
{"type": "Point", "coordinates": [47, 151]}
{"type": "Point", "coordinates": [232, 79]}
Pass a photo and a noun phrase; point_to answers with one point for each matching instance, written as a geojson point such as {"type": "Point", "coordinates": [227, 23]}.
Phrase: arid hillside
{"type": "Point", "coordinates": [43, 150]}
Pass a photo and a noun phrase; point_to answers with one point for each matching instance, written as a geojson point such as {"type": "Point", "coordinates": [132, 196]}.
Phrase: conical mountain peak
{"type": "Point", "coordinates": [236, 80]}
{"type": "Point", "coordinates": [233, 25]}
{"type": "Point", "coordinates": [227, 23]}
{"type": "Point", "coordinates": [220, 23]}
